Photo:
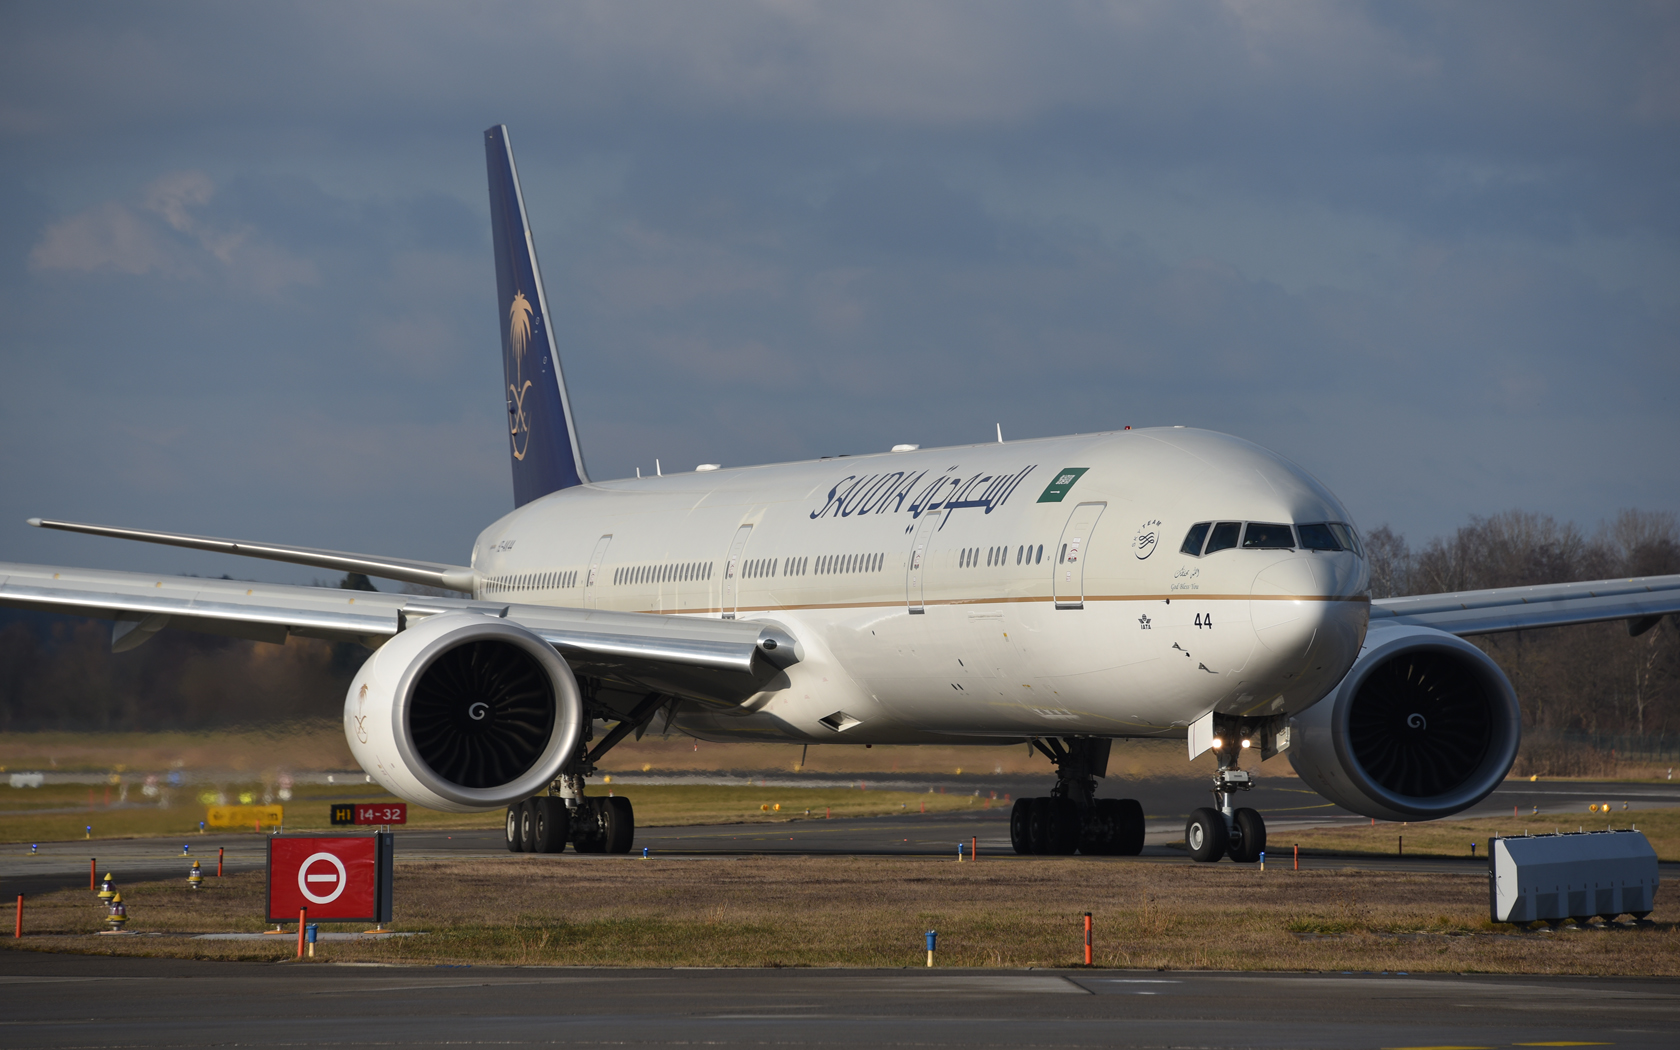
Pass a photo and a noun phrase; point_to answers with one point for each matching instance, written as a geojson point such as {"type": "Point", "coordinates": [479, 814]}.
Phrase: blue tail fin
{"type": "Point", "coordinates": [540, 428]}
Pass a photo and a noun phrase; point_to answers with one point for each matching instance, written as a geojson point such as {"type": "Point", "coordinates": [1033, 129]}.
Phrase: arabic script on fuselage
{"type": "Point", "coordinates": [913, 493]}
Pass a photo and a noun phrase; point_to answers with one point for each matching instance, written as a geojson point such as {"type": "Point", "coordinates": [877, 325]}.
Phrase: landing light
{"type": "Point", "coordinates": [1247, 743]}
{"type": "Point", "coordinates": [1218, 743]}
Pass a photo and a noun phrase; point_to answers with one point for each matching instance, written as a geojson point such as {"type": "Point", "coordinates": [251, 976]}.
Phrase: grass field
{"type": "Point", "coordinates": [1452, 837]}
{"type": "Point", "coordinates": [793, 911]}
{"type": "Point", "coordinates": [320, 746]}
{"type": "Point", "coordinates": [67, 814]}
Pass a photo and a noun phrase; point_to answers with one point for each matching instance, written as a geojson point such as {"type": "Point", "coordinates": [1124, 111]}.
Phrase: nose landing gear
{"type": "Point", "coordinates": [1240, 832]}
{"type": "Point", "coordinates": [1072, 819]}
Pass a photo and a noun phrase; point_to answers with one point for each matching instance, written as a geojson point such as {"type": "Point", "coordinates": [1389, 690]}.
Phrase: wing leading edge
{"type": "Point", "coordinates": [1638, 600]}
{"type": "Point", "coordinates": [713, 661]}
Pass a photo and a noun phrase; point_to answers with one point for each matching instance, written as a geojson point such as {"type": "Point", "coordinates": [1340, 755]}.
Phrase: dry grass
{"type": "Point", "coordinates": [793, 911]}
{"type": "Point", "coordinates": [1452, 838]}
{"type": "Point", "coordinates": [657, 805]}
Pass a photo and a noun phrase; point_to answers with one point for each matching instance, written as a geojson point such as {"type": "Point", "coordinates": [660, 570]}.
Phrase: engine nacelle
{"type": "Point", "coordinates": [464, 712]}
{"type": "Point", "coordinates": [1424, 725]}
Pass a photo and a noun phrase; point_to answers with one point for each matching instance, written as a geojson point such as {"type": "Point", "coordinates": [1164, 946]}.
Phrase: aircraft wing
{"type": "Point", "coordinates": [714, 661]}
{"type": "Point", "coordinates": [1641, 601]}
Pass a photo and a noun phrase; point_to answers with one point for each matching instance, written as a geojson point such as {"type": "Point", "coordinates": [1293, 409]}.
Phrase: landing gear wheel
{"type": "Point", "coordinates": [1205, 835]}
{"type": "Point", "coordinates": [1128, 828]}
{"type": "Point", "coordinates": [553, 824]}
{"type": "Point", "coordinates": [1063, 827]}
{"type": "Point", "coordinates": [1038, 825]}
{"type": "Point", "coordinates": [513, 829]}
{"type": "Point", "coordinates": [618, 820]}
{"type": "Point", "coordinates": [1249, 840]}
{"type": "Point", "coordinates": [1096, 838]}
{"type": "Point", "coordinates": [528, 826]}
{"type": "Point", "coordinates": [588, 835]}
{"type": "Point", "coordinates": [1020, 821]}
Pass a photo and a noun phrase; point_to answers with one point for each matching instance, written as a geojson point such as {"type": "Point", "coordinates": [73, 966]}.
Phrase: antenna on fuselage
{"type": "Point", "coordinates": [1000, 433]}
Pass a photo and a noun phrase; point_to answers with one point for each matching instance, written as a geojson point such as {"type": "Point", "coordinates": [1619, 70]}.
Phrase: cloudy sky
{"type": "Point", "coordinates": [1430, 252]}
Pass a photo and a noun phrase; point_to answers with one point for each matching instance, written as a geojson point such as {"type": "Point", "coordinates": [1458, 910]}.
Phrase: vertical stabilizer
{"type": "Point", "coordinates": [541, 434]}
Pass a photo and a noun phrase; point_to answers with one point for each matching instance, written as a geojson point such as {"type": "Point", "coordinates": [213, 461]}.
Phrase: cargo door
{"type": "Point", "coordinates": [732, 570]}
{"type": "Point", "coordinates": [915, 576]}
{"type": "Point", "coordinates": [591, 577]}
{"type": "Point", "coordinates": [1068, 580]}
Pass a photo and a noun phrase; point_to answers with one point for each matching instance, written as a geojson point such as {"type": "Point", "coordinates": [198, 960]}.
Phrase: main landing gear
{"type": "Point", "coordinates": [1073, 819]}
{"type": "Point", "coordinates": [1212, 833]}
{"type": "Point", "coordinates": [592, 824]}
{"type": "Point", "coordinates": [545, 823]}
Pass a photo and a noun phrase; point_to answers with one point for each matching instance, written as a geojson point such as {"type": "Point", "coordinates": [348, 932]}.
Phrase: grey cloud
{"type": "Point", "coordinates": [1420, 248]}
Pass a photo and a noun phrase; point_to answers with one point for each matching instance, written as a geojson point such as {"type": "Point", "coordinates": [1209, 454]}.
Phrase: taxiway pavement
{"type": "Point", "coordinates": [55, 1002]}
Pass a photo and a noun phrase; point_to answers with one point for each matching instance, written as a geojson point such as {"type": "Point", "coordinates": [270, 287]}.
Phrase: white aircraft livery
{"type": "Point", "coordinates": [1063, 591]}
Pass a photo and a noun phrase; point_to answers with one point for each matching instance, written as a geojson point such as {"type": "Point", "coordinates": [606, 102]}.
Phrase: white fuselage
{"type": "Point", "coordinates": [957, 593]}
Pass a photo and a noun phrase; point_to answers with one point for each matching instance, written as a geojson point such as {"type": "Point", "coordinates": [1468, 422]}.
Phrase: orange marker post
{"type": "Point", "coordinates": [303, 920]}
{"type": "Point", "coordinates": [1297, 856]}
{"type": "Point", "coordinates": [19, 931]}
{"type": "Point", "coordinates": [974, 848]}
{"type": "Point", "coordinates": [93, 873]}
{"type": "Point", "coordinates": [1087, 938]}
{"type": "Point", "coordinates": [219, 851]}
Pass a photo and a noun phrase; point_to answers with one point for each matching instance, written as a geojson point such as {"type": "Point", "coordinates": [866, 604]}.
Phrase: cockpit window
{"type": "Point", "coordinates": [1349, 538]}
{"type": "Point", "coordinates": [1317, 538]}
{"type": "Point", "coordinates": [1265, 536]}
{"type": "Point", "coordinates": [1224, 536]}
{"type": "Point", "coordinates": [1193, 539]}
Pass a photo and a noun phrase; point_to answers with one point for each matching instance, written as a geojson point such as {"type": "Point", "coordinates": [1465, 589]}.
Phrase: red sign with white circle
{"type": "Point", "coordinates": [337, 878]}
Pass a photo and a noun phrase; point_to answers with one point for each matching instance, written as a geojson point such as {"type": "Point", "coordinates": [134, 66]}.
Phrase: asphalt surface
{"type": "Point", "coordinates": [62, 1001]}
{"type": "Point", "coordinates": [1286, 803]}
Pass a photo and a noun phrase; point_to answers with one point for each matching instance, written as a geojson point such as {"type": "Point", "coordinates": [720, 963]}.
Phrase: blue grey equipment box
{"type": "Point", "coordinates": [1573, 876]}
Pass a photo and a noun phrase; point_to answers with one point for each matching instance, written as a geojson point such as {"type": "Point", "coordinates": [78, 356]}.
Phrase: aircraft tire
{"type": "Point", "coordinates": [1096, 833]}
{"type": "Point", "coordinates": [1250, 840]}
{"type": "Point", "coordinates": [619, 819]}
{"type": "Point", "coordinates": [528, 826]}
{"type": "Point", "coordinates": [1128, 828]}
{"type": "Point", "coordinates": [587, 834]}
{"type": "Point", "coordinates": [1205, 835]}
{"type": "Point", "coordinates": [513, 829]}
{"type": "Point", "coordinates": [554, 823]}
{"type": "Point", "coordinates": [1063, 827]}
{"type": "Point", "coordinates": [1038, 826]}
{"type": "Point", "coordinates": [1020, 830]}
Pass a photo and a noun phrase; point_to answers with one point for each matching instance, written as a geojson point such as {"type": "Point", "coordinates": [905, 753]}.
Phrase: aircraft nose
{"type": "Point", "coordinates": [1304, 613]}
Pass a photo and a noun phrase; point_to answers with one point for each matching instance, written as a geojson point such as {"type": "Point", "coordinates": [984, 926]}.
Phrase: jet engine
{"type": "Point", "coordinates": [1424, 725]}
{"type": "Point", "coordinates": [464, 712]}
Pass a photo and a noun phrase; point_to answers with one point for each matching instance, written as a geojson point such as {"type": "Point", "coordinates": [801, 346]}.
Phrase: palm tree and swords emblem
{"type": "Point", "coordinates": [519, 334]}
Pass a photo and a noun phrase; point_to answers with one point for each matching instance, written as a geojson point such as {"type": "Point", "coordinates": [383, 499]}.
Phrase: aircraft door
{"type": "Point", "coordinates": [591, 577]}
{"type": "Point", "coordinates": [915, 576]}
{"type": "Point", "coordinates": [1067, 581]}
{"type": "Point", "coordinates": [732, 570]}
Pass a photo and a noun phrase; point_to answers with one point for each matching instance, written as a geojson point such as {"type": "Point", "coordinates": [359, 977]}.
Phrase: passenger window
{"type": "Point", "coordinates": [1265, 536]}
{"type": "Point", "coordinates": [1317, 538]}
{"type": "Point", "coordinates": [1224, 536]}
{"type": "Point", "coordinates": [1192, 544]}
{"type": "Point", "coordinates": [1349, 538]}
{"type": "Point", "coordinates": [1040, 556]}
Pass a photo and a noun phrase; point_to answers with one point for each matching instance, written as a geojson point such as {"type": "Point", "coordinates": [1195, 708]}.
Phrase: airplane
{"type": "Point", "coordinates": [1066, 592]}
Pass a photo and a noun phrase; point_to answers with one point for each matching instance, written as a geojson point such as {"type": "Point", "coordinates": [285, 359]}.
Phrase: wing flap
{"type": "Point", "coordinates": [1524, 608]}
